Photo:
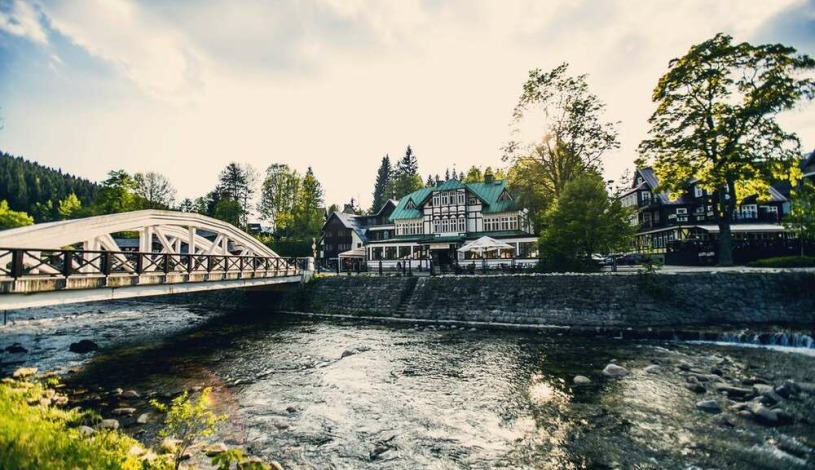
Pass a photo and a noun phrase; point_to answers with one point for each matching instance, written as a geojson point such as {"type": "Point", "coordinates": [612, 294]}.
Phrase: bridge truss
{"type": "Point", "coordinates": [185, 251]}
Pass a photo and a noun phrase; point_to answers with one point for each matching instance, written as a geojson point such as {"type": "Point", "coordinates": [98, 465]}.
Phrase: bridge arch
{"type": "Point", "coordinates": [173, 231]}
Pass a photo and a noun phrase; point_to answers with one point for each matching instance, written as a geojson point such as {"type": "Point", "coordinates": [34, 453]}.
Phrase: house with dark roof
{"type": "Point", "coordinates": [432, 223]}
{"type": "Point", "coordinates": [668, 227]}
{"type": "Point", "coordinates": [345, 233]}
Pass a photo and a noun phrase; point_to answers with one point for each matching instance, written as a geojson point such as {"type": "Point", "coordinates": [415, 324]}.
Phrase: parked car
{"type": "Point", "coordinates": [633, 258]}
{"type": "Point", "coordinates": [599, 259]}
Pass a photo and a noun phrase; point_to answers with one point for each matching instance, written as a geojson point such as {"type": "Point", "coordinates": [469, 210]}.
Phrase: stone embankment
{"type": "Point", "coordinates": [585, 300]}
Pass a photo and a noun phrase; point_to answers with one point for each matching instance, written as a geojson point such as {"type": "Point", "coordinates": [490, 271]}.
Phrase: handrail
{"type": "Point", "coordinates": [16, 263]}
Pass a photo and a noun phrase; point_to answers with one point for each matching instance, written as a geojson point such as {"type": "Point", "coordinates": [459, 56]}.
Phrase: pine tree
{"type": "Point", "coordinates": [308, 220]}
{"type": "Point", "coordinates": [430, 181]}
{"type": "Point", "coordinates": [383, 179]}
{"type": "Point", "coordinates": [406, 177]}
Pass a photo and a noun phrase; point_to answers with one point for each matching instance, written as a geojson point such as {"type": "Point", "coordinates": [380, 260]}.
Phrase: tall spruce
{"type": "Point", "coordinates": [406, 177]}
{"type": "Point", "coordinates": [383, 178]}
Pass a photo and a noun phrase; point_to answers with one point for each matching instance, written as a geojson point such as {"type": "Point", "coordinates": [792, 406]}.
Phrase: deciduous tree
{"type": "Point", "coordinates": [801, 219]}
{"type": "Point", "coordinates": [716, 121]}
{"type": "Point", "coordinates": [575, 137]}
{"type": "Point", "coordinates": [13, 219]}
{"type": "Point", "coordinates": [278, 196]}
{"type": "Point", "coordinates": [582, 221]}
{"type": "Point", "coordinates": [155, 189]}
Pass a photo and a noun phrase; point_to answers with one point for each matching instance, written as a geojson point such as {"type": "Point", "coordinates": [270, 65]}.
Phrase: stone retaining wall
{"type": "Point", "coordinates": [572, 299]}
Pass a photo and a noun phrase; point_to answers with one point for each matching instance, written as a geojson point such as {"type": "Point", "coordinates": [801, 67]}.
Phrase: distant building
{"type": "Point", "coordinates": [345, 233]}
{"type": "Point", "coordinates": [434, 222]}
{"type": "Point", "coordinates": [685, 230]}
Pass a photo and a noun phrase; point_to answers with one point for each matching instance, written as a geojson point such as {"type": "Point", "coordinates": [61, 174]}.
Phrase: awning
{"type": "Point", "coordinates": [355, 253]}
{"type": "Point", "coordinates": [484, 244]}
{"type": "Point", "coordinates": [745, 228]}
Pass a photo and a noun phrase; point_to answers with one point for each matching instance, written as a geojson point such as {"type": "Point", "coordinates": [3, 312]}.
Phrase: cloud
{"type": "Point", "coordinates": [23, 20]}
{"type": "Point", "coordinates": [793, 26]}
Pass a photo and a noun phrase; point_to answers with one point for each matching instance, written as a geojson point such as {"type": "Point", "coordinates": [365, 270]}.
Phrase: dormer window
{"type": "Point", "coordinates": [505, 196]}
{"type": "Point", "coordinates": [410, 204]}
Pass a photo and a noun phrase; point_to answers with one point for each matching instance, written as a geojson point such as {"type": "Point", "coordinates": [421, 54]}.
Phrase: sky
{"type": "Point", "coordinates": [185, 87]}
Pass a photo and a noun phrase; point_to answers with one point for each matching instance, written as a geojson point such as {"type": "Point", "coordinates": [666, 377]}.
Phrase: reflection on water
{"type": "Point", "coordinates": [354, 395]}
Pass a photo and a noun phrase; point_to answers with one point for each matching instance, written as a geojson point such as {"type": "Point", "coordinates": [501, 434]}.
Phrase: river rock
{"type": "Point", "coordinates": [653, 369]}
{"type": "Point", "coordinates": [684, 365]}
{"type": "Point", "coordinates": [695, 387]}
{"type": "Point", "coordinates": [764, 415]}
{"type": "Point", "coordinates": [613, 370]}
{"type": "Point", "coordinates": [83, 346]}
{"type": "Point", "coordinates": [169, 445]}
{"type": "Point", "coordinates": [214, 449]}
{"type": "Point", "coordinates": [86, 431]}
{"type": "Point", "coordinates": [378, 450]}
{"type": "Point", "coordinates": [143, 418]}
{"type": "Point", "coordinates": [16, 348]}
{"type": "Point", "coordinates": [123, 411]}
{"type": "Point", "coordinates": [354, 350]}
{"type": "Point", "coordinates": [108, 424]}
{"type": "Point", "coordinates": [275, 465]}
{"type": "Point", "coordinates": [709, 406]}
{"type": "Point", "coordinates": [581, 380]}
{"type": "Point", "coordinates": [761, 389]}
{"type": "Point", "coordinates": [733, 392]}
{"type": "Point", "coordinates": [24, 372]}
{"type": "Point", "coordinates": [806, 387]}
{"type": "Point", "coordinates": [291, 409]}
{"type": "Point", "coordinates": [130, 394]}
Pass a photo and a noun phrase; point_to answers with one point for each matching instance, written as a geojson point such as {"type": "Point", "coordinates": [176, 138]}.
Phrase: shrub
{"type": "Point", "coordinates": [34, 435]}
{"type": "Point", "coordinates": [784, 262]}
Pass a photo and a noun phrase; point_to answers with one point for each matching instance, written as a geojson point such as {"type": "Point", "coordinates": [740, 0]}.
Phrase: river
{"type": "Point", "coordinates": [333, 393]}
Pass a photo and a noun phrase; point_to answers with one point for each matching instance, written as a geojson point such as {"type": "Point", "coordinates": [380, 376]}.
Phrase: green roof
{"type": "Point", "coordinates": [487, 192]}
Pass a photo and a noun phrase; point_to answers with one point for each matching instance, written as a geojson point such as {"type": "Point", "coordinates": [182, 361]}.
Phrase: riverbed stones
{"type": "Point", "coordinates": [24, 372]}
{"type": "Point", "coordinates": [215, 449]}
{"type": "Point", "coordinates": [143, 418]}
{"type": "Point", "coordinates": [83, 346]}
{"type": "Point", "coordinates": [615, 371]}
{"type": "Point", "coordinates": [16, 348]}
{"type": "Point", "coordinates": [653, 369]}
{"type": "Point", "coordinates": [123, 411]}
{"type": "Point", "coordinates": [86, 431]}
{"type": "Point", "coordinates": [130, 394]}
{"type": "Point", "coordinates": [709, 406]}
{"type": "Point", "coordinates": [732, 391]}
{"type": "Point", "coordinates": [581, 380]}
{"type": "Point", "coordinates": [109, 424]}
{"type": "Point", "coordinates": [763, 415]}
{"type": "Point", "coordinates": [354, 350]}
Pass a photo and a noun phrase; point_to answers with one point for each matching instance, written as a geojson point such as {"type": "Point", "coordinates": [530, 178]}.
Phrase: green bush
{"type": "Point", "coordinates": [784, 262]}
{"type": "Point", "coordinates": [34, 435]}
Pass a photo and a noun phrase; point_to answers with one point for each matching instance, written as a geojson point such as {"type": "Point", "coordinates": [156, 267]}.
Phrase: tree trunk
{"type": "Point", "coordinates": [727, 203]}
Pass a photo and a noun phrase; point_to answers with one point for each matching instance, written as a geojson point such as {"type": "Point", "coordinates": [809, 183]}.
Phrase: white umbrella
{"type": "Point", "coordinates": [485, 244]}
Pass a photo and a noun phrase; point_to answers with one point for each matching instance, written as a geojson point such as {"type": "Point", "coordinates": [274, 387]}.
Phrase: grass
{"type": "Point", "coordinates": [784, 262]}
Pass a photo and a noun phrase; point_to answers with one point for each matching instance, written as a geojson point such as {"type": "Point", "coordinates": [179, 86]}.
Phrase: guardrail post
{"type": "Point", "coordinates": [17, 263]}
{"type": "Point", "coordinates": [105, 263]}
{"type": "Point", "coordinates": [67, 263]}
{"type": "Point", "coordinates": [166, 263]}
{"type": "Point", "coordinates": [190, 263]}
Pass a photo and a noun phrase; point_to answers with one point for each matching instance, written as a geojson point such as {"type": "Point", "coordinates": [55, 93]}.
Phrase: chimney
{"type": "Point", "coordinates": [488, 177]}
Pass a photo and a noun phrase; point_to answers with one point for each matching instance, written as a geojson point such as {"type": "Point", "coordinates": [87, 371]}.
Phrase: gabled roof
{"type": "Point", "coordinates": [488, 193]}
{"type": "Point", "coordinates": [650, 178]}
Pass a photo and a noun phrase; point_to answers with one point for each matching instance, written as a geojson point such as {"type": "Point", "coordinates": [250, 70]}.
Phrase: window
{"type": "Point", "coordinates": [682, 211]}
{"type": "Point", "coordinates": [472, 201]}
{"type": "Point", "coordinates": [697, 191]}
{"type": "Point", "coordinates": [505, 196]}
{"type": "Point", "coordinates": [646, 197]}
{"type": "Point", "coordinates": [410, 204]}
{"type": "Point", "coordinates": [461, 198]}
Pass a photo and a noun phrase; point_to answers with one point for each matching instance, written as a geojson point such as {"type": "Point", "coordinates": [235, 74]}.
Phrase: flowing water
{"type": "Point", "coordinates": [341, 394]}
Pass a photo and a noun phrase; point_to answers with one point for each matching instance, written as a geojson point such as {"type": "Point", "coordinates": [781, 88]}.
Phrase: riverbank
{"type": "Point", "coordinates": [576, 300]}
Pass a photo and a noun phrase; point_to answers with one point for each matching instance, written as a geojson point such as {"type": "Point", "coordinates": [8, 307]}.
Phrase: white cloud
{"type": "Point", "coordinates": [337, 84]}
{"type": "Point", "coordinates": [23, 20]}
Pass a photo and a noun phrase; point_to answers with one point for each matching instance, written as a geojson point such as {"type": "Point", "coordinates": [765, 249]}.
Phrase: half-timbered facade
{"type": "Point", "coordinates": [432, 223]}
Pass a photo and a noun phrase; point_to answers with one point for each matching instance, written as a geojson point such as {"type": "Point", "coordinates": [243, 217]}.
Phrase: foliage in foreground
{"type": "Point", "coordinates": [39, 436]}
{"type": "Point", "coordinates": [784, 262]}
{"type": "Point", "coordinates": [34, 434]}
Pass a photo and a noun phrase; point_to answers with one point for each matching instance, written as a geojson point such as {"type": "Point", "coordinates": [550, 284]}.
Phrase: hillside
{"type": "Point", "coordinates": [37, 189]}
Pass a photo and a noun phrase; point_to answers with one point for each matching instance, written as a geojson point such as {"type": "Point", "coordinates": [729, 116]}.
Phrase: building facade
{"type": "Point", "coordinates": [345, 233]}
{"type": "Point", "coordinates": [685, 230]}
{"type": "Point", "coordinates": [434, 222]}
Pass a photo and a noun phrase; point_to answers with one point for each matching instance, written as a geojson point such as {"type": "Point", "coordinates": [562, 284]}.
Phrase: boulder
{"type": "Point", "coordinates": [613, 370]}
{"type": "Point", "coordinates": [130, 394]}
{"type": "Point", "coordinates": [581, 380]}
{"type": "Point", "coordinates": [16, 348]}
{"type": "Point", "coordinates": [143, 418]}
{"type": "Point", "coordinates": [83, 346]}
{"type": "Point", "coordinates": [732, 391]}
{"type": "Point", "coordinates": [764, 415]}
{"type": "Point", "coordinates": [696, 387]}
{"type": "Point", "coordinates": [709, 406]}
{"type": "Point", "coordinates": [24, 372]}
{"type": "Point", "coordinates": [653, 369]}
{"type": "Point", "coordinates": [123, 411]}
{"type": "Point", "coordinates": [86, 431]}
{"type": "Point", "coordinates": [108, 424]}
{"type": "Point", "coordinates": [214, 449]}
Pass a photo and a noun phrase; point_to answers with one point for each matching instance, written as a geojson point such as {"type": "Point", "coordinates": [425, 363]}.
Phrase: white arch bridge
{"type": "Point", "coordinates": [80, 261]}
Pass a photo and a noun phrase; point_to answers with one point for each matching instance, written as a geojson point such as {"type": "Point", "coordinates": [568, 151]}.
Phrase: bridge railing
{"type": "Point", "coordinates": [17, 263]}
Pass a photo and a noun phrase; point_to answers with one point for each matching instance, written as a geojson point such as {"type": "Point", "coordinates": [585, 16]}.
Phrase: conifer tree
{"type": "Point", "coordinates": [383, 178]}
